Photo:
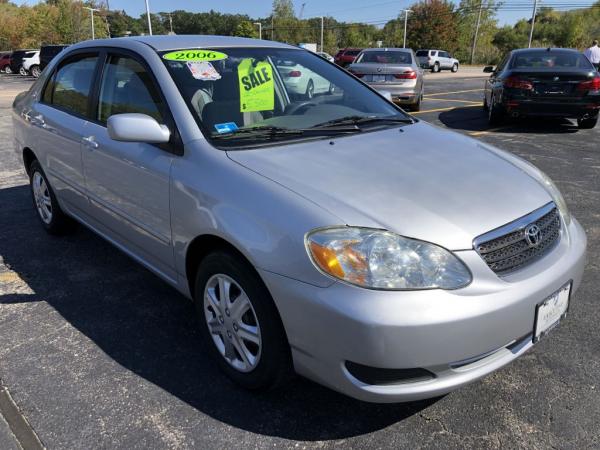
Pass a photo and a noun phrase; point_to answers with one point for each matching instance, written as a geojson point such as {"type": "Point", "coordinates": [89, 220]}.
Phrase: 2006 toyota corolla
{"type": "Point", "coordinates": [337, 235]}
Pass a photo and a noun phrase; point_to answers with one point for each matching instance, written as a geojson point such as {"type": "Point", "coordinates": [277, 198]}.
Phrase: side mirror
{"type": "Point", "coordinates": [387, 95]}
{"type": "Point", "coordinates": [488, 69]}
{"type": "Point", "coordinates": [133, 127]}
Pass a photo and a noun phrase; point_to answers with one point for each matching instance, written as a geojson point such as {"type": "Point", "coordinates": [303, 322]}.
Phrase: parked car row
{"type": "Point", "coordinates": [430, 59]}
{"type": "Point", "coordinates": [29, 61]}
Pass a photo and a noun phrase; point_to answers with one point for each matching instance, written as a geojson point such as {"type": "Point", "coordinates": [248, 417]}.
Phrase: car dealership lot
{"type": "Point", "coordinates": [97, 352]}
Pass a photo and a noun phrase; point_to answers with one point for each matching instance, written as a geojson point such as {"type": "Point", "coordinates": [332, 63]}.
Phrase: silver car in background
{"type": "Point", "coordinates": [393, 70]}
{"type": "Point", "coordinates": [437, 60]}
{"type": "Point", "coordinates": [337, 236]}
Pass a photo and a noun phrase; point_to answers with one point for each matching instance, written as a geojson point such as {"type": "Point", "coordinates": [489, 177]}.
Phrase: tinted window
{"type": "Point", "coordinates": [127, 88]}
{"type": "Point", "coordinates": [444, 54]}
{"type": "Point", "coordinates": [422, 52]}
{"type": "Point", "coordinates": [544, 59]}
{"type": "Point", "coordinates": [385, 57]}
{"type": "Point", "coordinates": [71, 85]}
{"type": "Point", "coordinates": [352, 52]}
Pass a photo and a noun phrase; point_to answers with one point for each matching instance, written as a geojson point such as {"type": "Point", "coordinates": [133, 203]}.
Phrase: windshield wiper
{"type": "Point", "coordinates": [359, 120]}
{"type": "Point", "coordinates": [269, 132]}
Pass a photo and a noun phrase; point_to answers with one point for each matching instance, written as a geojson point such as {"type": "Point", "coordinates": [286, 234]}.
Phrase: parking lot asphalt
{"type": "Point", "coordinates": [96, 352]}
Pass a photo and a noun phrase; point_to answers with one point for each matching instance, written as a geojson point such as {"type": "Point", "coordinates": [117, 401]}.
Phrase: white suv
{"type": "Point", "coordinates": [437, 60]}
{"type": "Point", "coordinates": [31, 64]}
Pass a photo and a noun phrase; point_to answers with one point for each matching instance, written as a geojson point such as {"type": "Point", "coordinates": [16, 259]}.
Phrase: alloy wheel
{"type": "Point", "coordinates": [232, 322]}
{"type": "Point", "coordinates": [41, 196]}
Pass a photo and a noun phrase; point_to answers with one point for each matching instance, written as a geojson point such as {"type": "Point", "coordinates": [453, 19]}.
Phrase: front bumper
{"type": "Point", "coordinates": [459, 336]}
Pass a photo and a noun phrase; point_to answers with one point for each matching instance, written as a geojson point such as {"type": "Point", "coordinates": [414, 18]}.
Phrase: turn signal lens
{"type": "Point", "coordinates": [591, 85]}
{"type": "Point", "coordinates": [294, 74]}
{"type": "Point", "coordinates": [379, 259]}
{"type": "Point", "coordinates": [408, 75]}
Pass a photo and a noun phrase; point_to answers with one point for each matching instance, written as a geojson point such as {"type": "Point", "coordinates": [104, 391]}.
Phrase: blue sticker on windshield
{"type": "Point", "coordinates": [228, 127]}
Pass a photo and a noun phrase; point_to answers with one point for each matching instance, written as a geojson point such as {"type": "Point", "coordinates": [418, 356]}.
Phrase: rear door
{"type": "Point", "coordinates": [128, 182]}
{"type": "Point", "coordinates": [58, 122]}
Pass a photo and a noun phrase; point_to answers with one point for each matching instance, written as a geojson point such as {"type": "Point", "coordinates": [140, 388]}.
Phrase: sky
{"type": "Point", "coordinates": [374, 11]}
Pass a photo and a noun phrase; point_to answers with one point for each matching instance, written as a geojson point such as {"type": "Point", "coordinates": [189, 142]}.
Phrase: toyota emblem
{"type": "Point", "coordinates": [533, 235]}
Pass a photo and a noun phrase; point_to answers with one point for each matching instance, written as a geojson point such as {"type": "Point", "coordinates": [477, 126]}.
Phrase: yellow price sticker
{"type": "Point", "coordinates": [194, 55]}
{"type": "Point", "coordinates": [257, 89]}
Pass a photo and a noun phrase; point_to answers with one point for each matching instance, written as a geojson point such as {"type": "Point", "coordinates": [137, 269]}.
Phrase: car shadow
{"type": "Point", "coordinates": [151, 330]}
{"type": "Point", "coordinates": [475, 119]}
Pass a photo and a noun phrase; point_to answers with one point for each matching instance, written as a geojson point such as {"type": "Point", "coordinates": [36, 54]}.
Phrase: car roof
{"type": "Point", "coordinates": [387, 49]}
{"type": "Point", "coordinates": [175, 42]}
{"type": "Point", "coordinates": [547, 49]}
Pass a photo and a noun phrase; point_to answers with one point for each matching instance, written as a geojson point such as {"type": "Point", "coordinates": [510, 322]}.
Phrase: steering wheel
{"type": "Point", "coordinates": [295, 107]}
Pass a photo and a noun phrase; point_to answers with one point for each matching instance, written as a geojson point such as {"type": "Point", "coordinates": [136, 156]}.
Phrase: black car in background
{"type": "Point", "coordinates": [48, 52]}
{"type": "Point", "coordinates": [16, 62]}
{"type": "Point", "coordinates": [552, 82]}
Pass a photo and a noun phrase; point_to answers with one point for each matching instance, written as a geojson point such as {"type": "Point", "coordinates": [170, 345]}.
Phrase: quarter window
{"type": "Point", "coordinates": [71, 85]}
{"type": "Point", "coordinates": [128, 88]}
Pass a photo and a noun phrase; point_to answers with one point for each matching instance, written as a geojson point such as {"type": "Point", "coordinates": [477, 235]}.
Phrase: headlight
{"type": "Point", "coordinates": [556, 196]}
{"type": "Point", "coordinates": [382, 260]}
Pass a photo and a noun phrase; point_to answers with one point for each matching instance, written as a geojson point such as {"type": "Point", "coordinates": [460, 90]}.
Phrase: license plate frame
{"type": "Point", "coordinates": [378, 78]}
{"type": "Point", "coordinates": [555, 306]}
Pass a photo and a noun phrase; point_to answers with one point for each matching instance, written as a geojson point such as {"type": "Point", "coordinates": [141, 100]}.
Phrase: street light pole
{"type": "Point", "coordinates": [148, 15]}
{"type": "Point", "coordinates": [532, 21]}
{"type": "Point", "coordinates": [259, 29]}
{"type": "Point", "coordinates": [406, 11]}
{"type": "Point", "coordinates": [92, 19]}
{"type": "Point", "coordinates": [322, 27]}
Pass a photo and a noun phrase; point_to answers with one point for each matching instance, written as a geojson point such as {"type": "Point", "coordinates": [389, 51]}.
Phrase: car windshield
{"type": "Point", "coordinates": [384, 57]}
{"type": "Point", "coordinates": [544, 59]}
{"type": "Point", "coordinates": [247, 96]}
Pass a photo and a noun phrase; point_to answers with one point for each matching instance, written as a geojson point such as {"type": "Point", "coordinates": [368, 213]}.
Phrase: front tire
{"type": "Point", "coordinates": [35, 71]}
{"type": "Point", "coordinates": [53, 219]}
{"type": "Point", "coordinates": [455, 68]}
{"type": "Point", "coordinates": [495, 113]}
{"type": "Point", "coordinates": [22, 71]}
{"type": "Point", "coordinates": [310, 90]}
{"type": "Point", "coordinates": [8, 70]}
{"type": "Point", "coordinates": [240, 323]}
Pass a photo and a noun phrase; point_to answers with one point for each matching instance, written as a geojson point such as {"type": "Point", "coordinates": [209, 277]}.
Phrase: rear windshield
{"type": "Point", "coordinates": [422, 52]}
{"type": "Point", "coordinates": [544, 59]}
{"type": "Point", "coordinates": [385, 57]}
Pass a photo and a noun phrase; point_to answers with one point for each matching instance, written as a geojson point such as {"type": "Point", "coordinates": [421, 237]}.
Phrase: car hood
{"type": "Point", "coordinates": [418, 181]}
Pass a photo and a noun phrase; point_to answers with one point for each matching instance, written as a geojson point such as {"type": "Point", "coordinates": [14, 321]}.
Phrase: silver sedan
{"type": "Point", "coordinates": [392, 70]}
{"type": "Point", "coordinates": [335, 236]}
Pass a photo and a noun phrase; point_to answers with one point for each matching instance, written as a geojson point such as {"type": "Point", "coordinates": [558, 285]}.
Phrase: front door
{"type": "Point", "coordinates": [128, 182]}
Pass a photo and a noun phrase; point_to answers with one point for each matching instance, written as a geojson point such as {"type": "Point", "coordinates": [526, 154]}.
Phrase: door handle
{"type": "Point", "coordinates": [89, 142]}
{"type": "Point", "coordinates": [37, 121]}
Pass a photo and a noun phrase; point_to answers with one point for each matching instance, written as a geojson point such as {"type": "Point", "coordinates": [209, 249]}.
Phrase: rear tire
{"type": "Point", "coordinates": [310, 90]}
{"type": "Point", "coordinates": [52, 218]}
{"type": "Point", "coordinates": [588, 123]}
{"type": "Point", "coordinates": [8, 70]}
{"type": "Point", "coordinates": [495, 114]}
{"type": "Point", "coordinates": [268, 363]}
{"type": "Point", "coordinates": [436, 67]}
{"type": "Point", "coordinates": [22, 71]}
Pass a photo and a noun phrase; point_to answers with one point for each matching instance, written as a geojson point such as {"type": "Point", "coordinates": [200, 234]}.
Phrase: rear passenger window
{"type": "Point", "coordinates": [71, 85]}
{"type": "Point", "coordinates": [128, 88]}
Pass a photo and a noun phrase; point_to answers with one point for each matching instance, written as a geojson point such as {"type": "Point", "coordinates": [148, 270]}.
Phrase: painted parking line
{"type": "Point", "coordinates": [455, 92]}
{"type": "Point", "coordinates": [451, 100]}
{"type": "Point", "coordinates": [478, 105]}
{"type": "Point", "coordinates": [484, 132]}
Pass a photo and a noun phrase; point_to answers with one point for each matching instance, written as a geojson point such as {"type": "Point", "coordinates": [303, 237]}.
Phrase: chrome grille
{"type": "Point", "coordinates": [507, 248]}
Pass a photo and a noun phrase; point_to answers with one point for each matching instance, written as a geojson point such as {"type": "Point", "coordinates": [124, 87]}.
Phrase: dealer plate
{"type": "Point", "coordinates": [550, 312]}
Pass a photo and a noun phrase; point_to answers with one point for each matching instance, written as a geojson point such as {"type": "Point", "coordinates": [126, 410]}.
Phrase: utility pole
{"type": "Point", "coordinates": [92, 18]}
{"type": "Point", "coordinates": [171, 23]}
{"type": "Point", "coordinates": [532, 21]}
{"type": "Point", "coordinates": [406, 11]}
{"type": "Point", "coordinates": [148, 16]}
{"type": "Point", "coordinates": [259, 29]}
{"type": "Point", "coordinates": [322, 27]}
{"type": "Point", "coordinates": [476, 31]}
{"type": "Point", "coordinates": [273, 26]}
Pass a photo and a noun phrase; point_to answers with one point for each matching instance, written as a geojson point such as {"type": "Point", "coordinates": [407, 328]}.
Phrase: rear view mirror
{"type": "Point", "coordinates": [133, 127]}
{"type": "Point", "coordinates": [488, 69]}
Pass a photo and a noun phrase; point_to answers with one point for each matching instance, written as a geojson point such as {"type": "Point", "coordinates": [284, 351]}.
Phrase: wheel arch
{"type": "Point", "coordinates": [28, 158]}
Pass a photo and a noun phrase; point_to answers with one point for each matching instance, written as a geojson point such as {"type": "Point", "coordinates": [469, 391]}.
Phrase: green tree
{"type": "Point", "coordinates": [432, 24]}
{"type": "Point", "coordinates": [246, 29]}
